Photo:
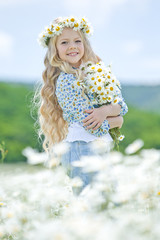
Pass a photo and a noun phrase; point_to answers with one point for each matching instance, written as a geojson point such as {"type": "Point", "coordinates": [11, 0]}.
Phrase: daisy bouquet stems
{"type": "Point", "coordinates": [102, 88]}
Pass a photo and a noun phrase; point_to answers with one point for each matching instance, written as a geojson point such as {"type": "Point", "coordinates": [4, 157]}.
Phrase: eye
{"type": "Point", "coordinates": [64, 42]}
{"type": "Point", "coordinates": [78, 41]}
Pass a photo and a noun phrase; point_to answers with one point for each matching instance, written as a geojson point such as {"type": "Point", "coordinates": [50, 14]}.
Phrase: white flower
{"type": "Point", "coordinates": [90, 163]}
{"type": "Point", "coordinates": [121, 138]}
{"type": "Point", "coordinates": [115, 100]}
{"type": "Point", "coordinates": [110, 98]}
{"type": "Point", "coordinates": [134, 147]}
{"type": "Point", "coordinates": [60, 148]}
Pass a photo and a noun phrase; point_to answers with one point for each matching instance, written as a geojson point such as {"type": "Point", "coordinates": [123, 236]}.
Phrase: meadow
{"type": "Point", "coordinates": [122, 201]}
{"type": "Point", "coordinates": [17, 120]}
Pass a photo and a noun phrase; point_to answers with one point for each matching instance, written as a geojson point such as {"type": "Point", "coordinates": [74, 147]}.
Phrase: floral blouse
{"type": "Point", "coordinates": [74, 103]}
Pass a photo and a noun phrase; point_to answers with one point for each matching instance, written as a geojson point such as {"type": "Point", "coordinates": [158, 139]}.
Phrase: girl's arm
{"type": "Point", "coordinates": [115, 121]}
{"type": "Point", "coordinates": [98, 115]}
{"type": "Point", "coordinates": [111, 110]}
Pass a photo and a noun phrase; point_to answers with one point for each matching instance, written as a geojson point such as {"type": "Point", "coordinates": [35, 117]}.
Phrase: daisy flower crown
{"type": "Point", "coordinates": [56, 27]}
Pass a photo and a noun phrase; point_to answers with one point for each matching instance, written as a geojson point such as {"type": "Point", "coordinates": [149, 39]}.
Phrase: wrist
{"type": "Point", "coordinates": [108, 110]}
{"type": "Point", "coordinates": [120, 121]}
{"type": "Point", "coordinates": [112, 110]}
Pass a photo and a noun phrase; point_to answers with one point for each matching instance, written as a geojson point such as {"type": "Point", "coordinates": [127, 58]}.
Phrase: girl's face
{"type": "Point", "coordinates": [70, 47]}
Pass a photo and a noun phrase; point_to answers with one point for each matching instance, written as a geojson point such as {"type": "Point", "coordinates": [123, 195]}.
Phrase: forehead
{"type": "Point", "coordinates": [68, 33]}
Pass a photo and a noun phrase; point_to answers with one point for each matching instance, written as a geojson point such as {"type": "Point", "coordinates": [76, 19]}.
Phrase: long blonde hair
{"type": "Point", "coordinates": [50, 115]}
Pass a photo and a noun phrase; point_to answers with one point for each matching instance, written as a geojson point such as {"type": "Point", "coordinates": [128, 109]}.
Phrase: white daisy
{"type": "Point", "coordinates": [110, 98]}
{"type": "Point", "coordinates": [121, 138]}
{"type": "Point", "coordinates": [115, 100]}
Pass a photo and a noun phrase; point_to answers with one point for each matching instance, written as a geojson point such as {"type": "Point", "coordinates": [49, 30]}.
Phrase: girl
{"type": "Point", "coordinates": [65, 113]}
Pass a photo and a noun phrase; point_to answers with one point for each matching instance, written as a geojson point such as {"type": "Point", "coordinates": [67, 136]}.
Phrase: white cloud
{"type": "Point", "coordinates": [132, 47]}
{"type": "Point", "coordinates": [6, 45]}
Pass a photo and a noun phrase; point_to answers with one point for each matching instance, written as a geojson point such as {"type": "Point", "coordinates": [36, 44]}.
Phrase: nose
{"type": "Point", "coordinates": [72, 46]}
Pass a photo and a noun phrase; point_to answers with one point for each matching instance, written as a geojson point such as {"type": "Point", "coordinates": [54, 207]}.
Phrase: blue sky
{"type": "Point", "coordinates": [126, 33]}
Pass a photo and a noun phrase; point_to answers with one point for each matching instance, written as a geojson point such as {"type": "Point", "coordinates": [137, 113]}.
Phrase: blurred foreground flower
{"type": "Point", "coordinates": [122, 201]}
{"type": "Point", "coordinates": [134, 147]}
{"type": "Point", "coordinates": [33, 156]}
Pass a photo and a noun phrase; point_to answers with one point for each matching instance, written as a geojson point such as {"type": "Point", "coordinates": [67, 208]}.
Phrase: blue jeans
{"type": "Point", "coordinates": [77, 149]}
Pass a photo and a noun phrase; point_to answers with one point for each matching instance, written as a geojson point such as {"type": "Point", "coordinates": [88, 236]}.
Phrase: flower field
{"type": "Point", "coordinates": [122, 202]}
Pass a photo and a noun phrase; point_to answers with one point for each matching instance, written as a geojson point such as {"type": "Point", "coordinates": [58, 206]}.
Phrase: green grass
{"type": "Point", "coordinates": [17, 126]}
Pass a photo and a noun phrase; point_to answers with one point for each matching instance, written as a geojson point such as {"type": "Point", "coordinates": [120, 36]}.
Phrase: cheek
{"type": "Point", "coordinates": [82, 49]}
{"type": "Point", "coordinates": [61, 51]}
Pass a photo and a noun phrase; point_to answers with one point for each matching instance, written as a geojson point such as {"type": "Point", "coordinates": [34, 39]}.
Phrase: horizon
{"type": "Point", "coordinates": [35, 82]}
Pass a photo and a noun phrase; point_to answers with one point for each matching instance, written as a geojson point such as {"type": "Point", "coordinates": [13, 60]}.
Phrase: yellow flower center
{"type": "Point", "coordinates": [87, 31]}
{"type": "Point", "coordinates": [72, 19]}
{"type": "Point", "coordinates": [109, 76]}
{"type": "Point", "coordinates": [49, 32]}
{"type": "Point", "coordinates": [43, 35]}
{"type": "Point", "coordinates": [76, 24]}
{"type": "Point", "coordinates": [99, 70]}
{"type": "Point", "coordinates": [115, 100]}
{"type": "Point", "coordinates": [93, 68]}
{"type": "Point", "coordinates": [92, 78]}
{"type": "Point", "coordinates": [78, 83]}
{"type": "Point", "coordinates": [93, 90]}
{"type": "Point", "coordinates": [99, 88]}
{"type": "Point", "coordinates": [99, 80]}
{"type": "Point", "coordinates": [113, 80]}
{"type": "Point", "coordinates": [102, 93]}
{"type": "Point", "coordinates": [111, 88]}
{"type": "Point", "coordinates": [57, 28]}
{"type": "Point", "coordinates": [104, 98]}
{"type": "Point", "coordinates": [90, 87]}
{"type": "Point", "coordinates": [95, 83]}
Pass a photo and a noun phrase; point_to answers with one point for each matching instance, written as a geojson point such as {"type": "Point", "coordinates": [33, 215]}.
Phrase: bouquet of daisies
{"type": "Point", "coordinates": [101, 87]}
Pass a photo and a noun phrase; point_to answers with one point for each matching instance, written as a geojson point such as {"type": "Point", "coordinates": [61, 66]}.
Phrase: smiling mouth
{"type": "Point", "coordinates": [72, 54]}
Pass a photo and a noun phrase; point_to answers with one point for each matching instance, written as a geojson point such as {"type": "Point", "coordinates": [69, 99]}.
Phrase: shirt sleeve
{"type": "Point", "coordinates": [121, 102]}
{"type": "Point", "coordinates": [73, 103]}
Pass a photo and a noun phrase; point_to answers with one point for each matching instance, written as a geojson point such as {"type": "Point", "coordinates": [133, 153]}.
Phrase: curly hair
{"type": "Point", "coordinates": [50, 115]}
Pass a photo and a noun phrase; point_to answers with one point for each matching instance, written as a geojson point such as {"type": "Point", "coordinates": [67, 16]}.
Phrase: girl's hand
{"type": "Point", "coordinates": [95, 118]}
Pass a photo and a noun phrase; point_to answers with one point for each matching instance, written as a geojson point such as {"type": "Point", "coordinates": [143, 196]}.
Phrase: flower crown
{"type": "Point", "coordinates": [56, 27]}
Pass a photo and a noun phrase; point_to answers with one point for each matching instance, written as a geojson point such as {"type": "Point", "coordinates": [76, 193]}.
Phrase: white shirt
{"type": "Point", "coordinates": [77, 133]}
